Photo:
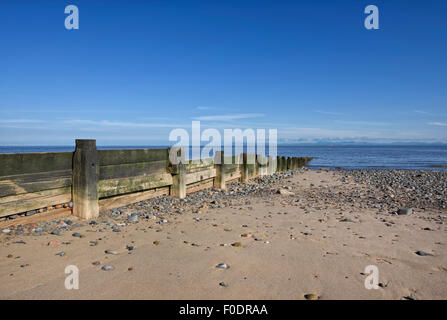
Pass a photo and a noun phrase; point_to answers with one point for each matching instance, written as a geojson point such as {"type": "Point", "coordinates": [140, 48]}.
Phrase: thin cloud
{"type": "Point", "coordinates": [438, 124]}
{"type": "Point", "coordinates": [230, 117]}
{"type": "Point", "coordinates": [20, 121]}
{"type": "Point", "coordinates": [107, 123]}
{"type": "Point", "coordinates": [423, 112]}
{"type": "Point", "coordinates": [329, 113]}
{"type": "Point", "coordinates": [205, 108]}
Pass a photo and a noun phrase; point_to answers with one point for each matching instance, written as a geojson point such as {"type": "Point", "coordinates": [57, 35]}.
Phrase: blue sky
{"type": "Point", "coordinates": [135, 70]}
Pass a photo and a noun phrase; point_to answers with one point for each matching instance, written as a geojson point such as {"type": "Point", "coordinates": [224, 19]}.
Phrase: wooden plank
{"type": "Point", "coordinates": [22, 163]}
{"type": "Point", "coordinates": [199, 165]}
{"type": "Point", "coordinates": [38, 217]}
{"type": "Point", "coordinates": [32, 177]}
{"type": "Point", "coordinates": [124, 200]}
{"type": "Point", "coordinates": [131, 169]}
{"type": "Point", "coordinates": [33, 195]}
{"type": "Point", "coordinates": [115, 187]}
{"type": "Point", "coordinates": [114, 157]}
{"type": "Point", "coordinates": [200, 175]}
{"type": "Point", "coordinates": [14, 207]}
{"type": "Point", "coordinates": [232, 176]}
{"type": "Point", "coordinates": [200, 185]}
{"type": "Point", "coordinates": [10, 188]}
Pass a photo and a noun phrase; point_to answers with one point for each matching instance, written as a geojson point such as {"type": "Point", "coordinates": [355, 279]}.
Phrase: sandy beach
{"type": "Point", "coordinates": [280, 237]}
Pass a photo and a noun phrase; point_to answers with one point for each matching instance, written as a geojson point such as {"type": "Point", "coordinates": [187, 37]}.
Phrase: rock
{"type": "Point", "coordinates": [133, 218]}
{"type": "Point", "coordinates": [109, 251]}
{"type": "Point", "coordinates": [156, 242]}
{"type": "Point", "coordinates": [56, 232]}
{"type": "Point", "coordinates": [346, 220]}
{"type": "Point", "coordinates": [6, 230]}
{"type": "Point", "coordinates": [130, 248]}
{"type": "Point", "coordinates": [77, 235]}
{"type": "Point", "coordinates": [61, 254]}
{"type": "Point", "coordinates": [246, 235]}
{"type": "Point", "coordinates": [107, 268]}
{"type": "Point", "coordinates": [222, 266]}
{"type": "Point", "coordinates": [423, 253]}
{"type": "Point", "coordinates": [311, 296]}
{"type": "Point", "coordinates": [9, 256]}
{"type": "Point", "coordinates": [96, 263]}
{"type": "Point", "coordinates": [54, 243]}
{"type": "Point", "coordinates": [284, 192]}
{"type": "Point", "coordinates": [223, 284]}
{"type": "Point", "coordinates": [405, 211]}
{"type": "Point", "coordinates": [237, 244]}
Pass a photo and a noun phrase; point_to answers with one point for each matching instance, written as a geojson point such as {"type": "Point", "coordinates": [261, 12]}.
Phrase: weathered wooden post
{"type": "Point", "coordinates": [278, 163]}
{"type": "Point", "coordinates": [85, 180]}
{"type": "Point", "coordinates": [283, 164]}
{"type": "Point", "coordinates": [177, 158]}
{"type": "Point", "coordinates": [244, 173]}
{"type": "Point", "coordinates": [289, 163]}
{"type": "Point", "coordinates": [272, 165]}
{"type": "Point", "coordinates": [219, 164]}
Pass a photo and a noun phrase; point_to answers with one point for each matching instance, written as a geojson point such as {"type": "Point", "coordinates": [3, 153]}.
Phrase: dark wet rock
{"type": "Point", "coordinates": [405, 211]}
{"type": "Point", "coordinates": [77, 235]}
{"type": "Point", "coordinates": [423, 253]}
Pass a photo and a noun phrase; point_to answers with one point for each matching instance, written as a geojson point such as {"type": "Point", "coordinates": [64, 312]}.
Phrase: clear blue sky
{"type": "Point", "coordinates": [137, 69]}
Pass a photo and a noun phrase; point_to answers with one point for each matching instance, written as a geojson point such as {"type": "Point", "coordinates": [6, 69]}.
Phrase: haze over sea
{"type": "Point", "coordinates": [433, 157]}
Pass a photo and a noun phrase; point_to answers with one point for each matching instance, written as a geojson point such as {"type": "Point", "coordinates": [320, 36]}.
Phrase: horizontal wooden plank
{"type": "Point", "coordinates": [113, 157]}
{"type": "Point", "coordinates": [14, 207]}
{"type": "Point", "coordinates": [22, 163]}
{"type": "Point", "coordinates": [199, 165]}
{"type": "Point", "coordinates": [132, 169]}
{"type": "Point", "coordinates": [113, 187]}
{"type": "Point", "coordinates": [231, 168]}
{"type": "Point", "coordinates": [33, 195]}
{"type": "Point", "coordinates": [38, 217]}
{"type": "Point", "coordinates": [10, 188]}
{"type": "Point", "coordinates": [200, 175]}
{"type": "Point", "coordinates": [232, 176]}
{"type": "Point", "coordinates": [124, 200]}
{"type": "Point", "coordinates": [200, 185]}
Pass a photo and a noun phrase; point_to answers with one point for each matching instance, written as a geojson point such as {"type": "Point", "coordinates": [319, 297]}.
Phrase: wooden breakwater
{"type": "Point", "coordinates": [39, 186]}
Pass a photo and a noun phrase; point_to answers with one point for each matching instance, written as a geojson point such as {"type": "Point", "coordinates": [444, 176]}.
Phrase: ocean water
{"type": "Point", "coordinates": [346, 157]}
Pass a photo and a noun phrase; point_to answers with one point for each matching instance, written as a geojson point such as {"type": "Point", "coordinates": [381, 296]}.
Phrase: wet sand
{"type": "Point", "coordinates": [297, 240]}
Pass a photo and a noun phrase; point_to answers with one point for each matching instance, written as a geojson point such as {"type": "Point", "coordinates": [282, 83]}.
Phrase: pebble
{"type": "Point", "coordinates": [423, 253]}
{"type": "Point", "coordinates": [237, 244]}
{"type": "Point", "coordinates": [6, 230]}
{"type": "Point", "coordinates": [311, 296]}
{"type": "Point", "coordinates": [222, 266]}
{"type": "Point", "coordinates": [96, 263]}
{"type": "Point", "coordinates": [109, 251]}
{"type": "Point", "coordinates": [77, 235]}
{"type": "Point", "coordinates": [405, 211]}
{"type": "Point", "coordinates": [61, 254]}
{"type": "Point", "coordinates": [107, 268]}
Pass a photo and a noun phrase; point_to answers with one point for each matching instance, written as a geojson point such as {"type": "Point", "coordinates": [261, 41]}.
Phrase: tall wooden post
{"type": "Point", "coordinates": [278, 163]}
{"type": "Point", "coordinates": [289, 163]}
{"type": "Point", "coordinates": [178, 161]}
{"type": "Point", "coordinates": [85, 180]}
{"type": "Point", "coordinates": [219, 163]}
{"type": "Point", "coordinates": [244, 173]}
{"type": "Point", "coordinates": [271, 165]}
{"type": "Point", "coordinates": [283, 164]}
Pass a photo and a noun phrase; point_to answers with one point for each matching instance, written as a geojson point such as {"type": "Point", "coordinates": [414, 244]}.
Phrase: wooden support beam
{"type": "Point", "coordinates": [219, 163]}
{"type": "Point", "coordinates": [244, 173]}
{"type": "Point", "coordinates": [283, 164]}
{"type": "Point", "coordinates": [85, 180]}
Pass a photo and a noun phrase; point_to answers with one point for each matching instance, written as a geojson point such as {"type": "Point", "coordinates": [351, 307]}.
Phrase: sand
{"type": "Point", "coordinates": [299, 249]}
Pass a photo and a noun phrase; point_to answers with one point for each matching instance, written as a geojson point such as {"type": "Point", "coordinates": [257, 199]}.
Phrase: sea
{"type": "Point", "coordinates": [386, 157]}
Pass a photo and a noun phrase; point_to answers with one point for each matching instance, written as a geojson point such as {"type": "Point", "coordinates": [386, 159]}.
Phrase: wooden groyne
{"type": "Point", "coordinates": [41, 186]}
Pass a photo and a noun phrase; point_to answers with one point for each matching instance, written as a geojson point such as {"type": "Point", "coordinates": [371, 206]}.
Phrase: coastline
{"type": "Point", "coordinates": [301, 232]}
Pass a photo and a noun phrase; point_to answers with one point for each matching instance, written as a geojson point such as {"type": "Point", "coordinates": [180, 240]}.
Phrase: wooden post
{"type": "Point", "coordinates": [289, 163]}
{"type": "Point", "coordinates": [271, 166]}
{"type": "Point", "coordinates": [283, 164]}
{"type": "Point", "coordinates": [278, 163]}
{"type": "Point", "coordinates": [295, 163]}
{"type": "Point", "coordinates": [85, 180]}
{"type": "Point", "coordinates": [219, 163]}
{"type": "Point", "coordinates": [244, 173]}
{"type": "Point", "coordinates": [178, 188]}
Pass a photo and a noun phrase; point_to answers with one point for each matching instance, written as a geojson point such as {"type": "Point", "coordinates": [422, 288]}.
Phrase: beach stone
{"type": "Point", "coordinates": [107, 268]}
{"type": "Point", "coordinates": [96, 263]}
{"type": "Point", "coordinates": [423, 253]}
{"type": "Point", "coordinates": [54, 243]}
{"type": "Point", "coordinates": [133, 218]}
{"type": "Point", "coordinates": [311, 296]}
{"type": "Point", "coordinates": [109, 251]}
{"type": "Point", "coordinates": [284, 192]}
{"type": "Point", "coordinates": [405, 211]}
{"type": "Point", "coordinates": [222, 266]}
{"type": "Point", "coordinates": [223, 284]}
{"type": "Point", "coordinates": [237, 244]}
{"type": "Point", "coordinates": [9, 256]}
{"type": "Point", "coordinates": [6, 230]}
{"type": "Point", "coordinates": [56, 232]}
{"type": "Point", "coordinates": [61, 254]}
{"type": "Point", "coordinates": [77, 235]}
{"type": "Point", "coordinates": [156, 242]}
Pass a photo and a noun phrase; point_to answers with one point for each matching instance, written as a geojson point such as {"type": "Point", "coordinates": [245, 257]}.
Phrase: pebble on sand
{"type": "Point", "coordinates": [156, 242]}
{"type": "Point", "coordinates": [311, 296]}
{"type": "Point", "coordinates": [405, 211]}
{"type": "Point", "coordinates": [237, 244]}
{"type": "Point", "coordinates": [423, 253]}
{"type": "Point", "coordinates": [107, 268]}
{"type": "Point", "coordinates": [222, 266]}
